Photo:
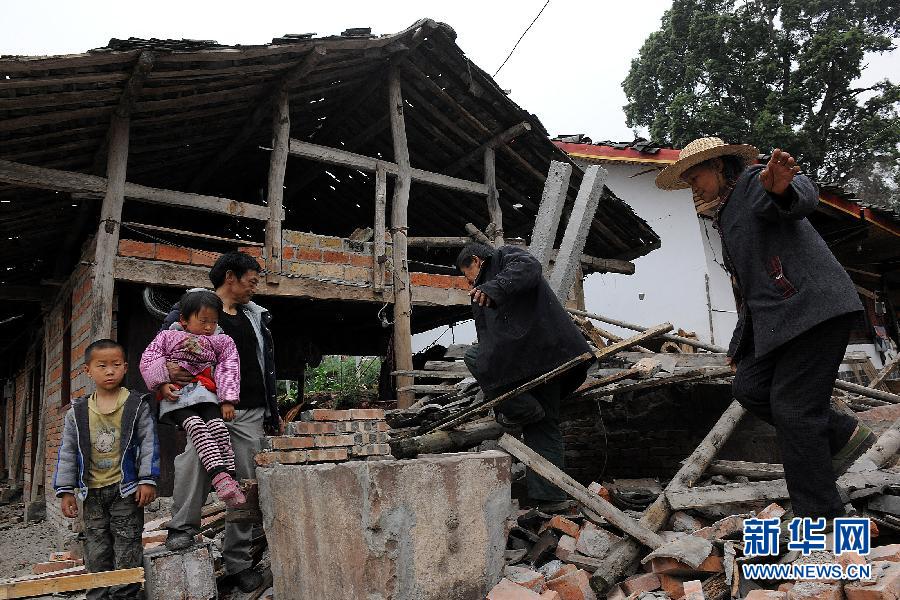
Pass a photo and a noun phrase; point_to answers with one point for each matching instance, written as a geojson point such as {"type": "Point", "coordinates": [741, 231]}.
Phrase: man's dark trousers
{"type": "Point", "coordinates": [790, 388]}
{"type": "Point", "coordinates": [538, 410]}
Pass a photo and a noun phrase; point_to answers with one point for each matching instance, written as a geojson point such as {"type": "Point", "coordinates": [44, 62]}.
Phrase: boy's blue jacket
{"type": "Point", "coordinates": [140, 448]}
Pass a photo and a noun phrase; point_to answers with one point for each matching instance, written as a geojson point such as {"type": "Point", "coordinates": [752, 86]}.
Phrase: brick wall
{"type": "Point", "coordinates": [318, 256]}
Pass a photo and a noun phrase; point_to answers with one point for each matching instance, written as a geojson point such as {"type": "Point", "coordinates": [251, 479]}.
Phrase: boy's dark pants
{"type": "Point", "coordinates": [538, 410]}
{"type": "Point", "coordinates": [790, 388]}
{"type": "Point", "coordinates": [112, 538]}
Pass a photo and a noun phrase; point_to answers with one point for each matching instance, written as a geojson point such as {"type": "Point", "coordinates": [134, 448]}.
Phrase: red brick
{"type": "Point", "coordinates": [338, 258]}
{"type": "Point", "coordinates": [646, 582]}
{"type": "Point", "coordinates": [54, 565]}
{"type": "Point", "coordinates": [362, 260]}
{"type": "Point", "coordinates": [204, 259]}
{"type": "Point", "coordinates": [154, 536]}
{"type": "Point", "coordinates": [286, 457]}
{"type": "Point", "coordinates": [722, 528]}
{"type": "Point", "coordinates": [885, 587]}
{"type": "Point", "coordinates": [507, 590]}
{"type": "Point", "coordinates": [418, 278]}
{"type": "Point", "coordinates": [173, 254]}
{"type": "Point", "coordinates": [331, 441]}
{"type": "Point", "coordinates": [329, 455]}
{"type": "Point", "coordinates": [772, 511]}
{"type": "Point", "coordinates": [54, 556]}
{"type": "Point", "coordinates": [573, 586]}
{"type": "Point", "coordinates": [309, 254]}
{"type": "Point", "coordinates": [564, 525]}
{"type": "Point", "coordinates": [290, 443]}
{"type": "Point", "coordinates": [566, 547]}
{"type": "Point", "coordinates": [600, 490]}
{"type": "Point", "coordinates": [890, 552]}
{"type": "Point", "coordinates": [672, 585]}
{"type": "Point", "coordinates": [525, 577]}
{"type": "Point", "coordinates": [287, 253]}
{"type": "Point", "coordinates": [254, 251]}
{"type": "Point", "coordinates": [367, 414]}
{"type": "Point", "coordinates": [137, 249]}
{"type": "Point", "coordinates": [370, 450]}
{"type": "Point", "coordinates": [811, 590]}
{"type": "Point", "coordinates": [693, 590]}
{"type": "Point", "coordinates": [766, 595]}
{"type": "Point", "coordinates": [461, 283]}
{"type": "Point", "coordinates": [444, 282]}
{"type": "Point", "coordinates": [325, 414]}
{"type": "Point", "coordinates": [670, 566]}
{"type": "Point", "coordinates": [563, 570]}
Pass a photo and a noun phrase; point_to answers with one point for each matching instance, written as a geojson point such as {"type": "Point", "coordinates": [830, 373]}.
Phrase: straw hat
{"type": "Point", "coordinates": [695, 153]}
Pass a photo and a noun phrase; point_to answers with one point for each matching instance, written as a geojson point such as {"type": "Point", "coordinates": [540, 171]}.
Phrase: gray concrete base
{"type": "Point", "coordinates": [424, 529]}
{"type": "Point", "coordinates": [184, 575]}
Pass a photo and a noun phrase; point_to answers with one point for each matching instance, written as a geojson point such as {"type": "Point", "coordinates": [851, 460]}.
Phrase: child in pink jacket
{"type": "Point", "coordinates": [200, 406]}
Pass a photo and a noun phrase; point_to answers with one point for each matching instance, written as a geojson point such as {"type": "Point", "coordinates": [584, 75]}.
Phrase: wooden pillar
{"type": "Point", "coordinates": [400, 230]}
{"type": "Point", "coordinates": [379, 242]}
{"type": "Point", "coordinates": [108, 232]}
{"type": "Point", "coordinates": [281, 135]}
{"type": "Point", "coordinates": [493, 196]}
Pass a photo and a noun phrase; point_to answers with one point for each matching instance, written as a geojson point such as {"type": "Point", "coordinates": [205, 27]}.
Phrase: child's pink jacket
{"type": "Point", "coordinates": [195, 353]}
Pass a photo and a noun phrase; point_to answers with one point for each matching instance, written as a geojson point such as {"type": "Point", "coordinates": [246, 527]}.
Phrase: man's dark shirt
{"type": "Point", "coordinates": [253, 394]}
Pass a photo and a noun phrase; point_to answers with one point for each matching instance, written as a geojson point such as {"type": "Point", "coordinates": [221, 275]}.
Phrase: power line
{"type": "Point", "coordinates": [521, 36]}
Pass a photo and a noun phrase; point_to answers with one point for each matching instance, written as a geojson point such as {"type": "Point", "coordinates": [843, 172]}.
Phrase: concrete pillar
{"type": "Point", "coordinates": [546, 224]}
{"type": "Point", "coordinates": [425, 529]}
{"type": "Point", "coordinates": [186, 575]}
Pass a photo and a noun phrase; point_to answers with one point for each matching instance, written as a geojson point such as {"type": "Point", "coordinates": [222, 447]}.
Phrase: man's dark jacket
{"type": "Point", "coordinates": [525, 332]}
{"type": "Point", "coordinates": [788, 279]}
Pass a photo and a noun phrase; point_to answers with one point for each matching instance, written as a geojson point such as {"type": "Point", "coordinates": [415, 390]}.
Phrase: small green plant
{"type": "Point", "coordinates": [346, 378]}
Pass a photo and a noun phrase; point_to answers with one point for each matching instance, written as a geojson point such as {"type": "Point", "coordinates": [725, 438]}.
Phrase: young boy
{"type": "Point", "coordinates": [109, 458]}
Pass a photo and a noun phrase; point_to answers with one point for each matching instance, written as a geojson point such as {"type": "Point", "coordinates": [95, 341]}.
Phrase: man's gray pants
{"type": "Point", "coordinates": [193, 483]}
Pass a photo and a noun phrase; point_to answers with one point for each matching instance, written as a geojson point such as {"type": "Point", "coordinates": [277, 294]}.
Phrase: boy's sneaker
{"type": "Point", "coordinates": [228, 490]}
{"type": "Point", "coordinates": [179, 540]}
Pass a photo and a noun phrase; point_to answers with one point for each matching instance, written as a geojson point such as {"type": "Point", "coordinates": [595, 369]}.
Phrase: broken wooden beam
{"type": "Point", "coordinates": [633, 327]}
{"type": "Point", "coordinates": [881, 452]}
{"type": "Point", "coordinates": [591, 501]}
{"type": "Point", "coordinates": [868, 392]}
{"type": "Point", "coordinates": [658, 382]}
{"type": "Point", "coordinates": [882, 375]}
{"type": "Point", "coordinates": [71, 583]}
{"type": "Point", "coordinates": [635, 340]}
{"type": "Point", "coordinates": [451, 422]}
{"type": "Point", "coordinates": [643, 369]}
{"type": "Point", "coordinates": [453, 440]}
{"type": "Point", "coordinates": [625, 553]}
{"type": "Point", "coordinates": [281, 134]}
{"type": "Point", "coordinates": [750, 470]}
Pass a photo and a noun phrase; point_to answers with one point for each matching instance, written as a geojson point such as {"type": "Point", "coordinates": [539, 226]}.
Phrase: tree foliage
{"type": "Point", "coordinates": [774, 73]}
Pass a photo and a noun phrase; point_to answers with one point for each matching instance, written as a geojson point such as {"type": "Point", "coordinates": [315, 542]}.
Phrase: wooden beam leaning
{"type": "Point", "coordinates": [252, 124]}
{"type": "Point", "coordinates": [343, 158]}
{"type": "Point", "coordinates": [882, 375]}
{"type": "Point", "coordinates": [399, 231]}
{"type": "Point", "coordinates": [107, 241]}
{"type": "Point", "coordinates": [281, 135]}
{"type": "Point", "coordinates": [498, 140]}
{"type": "Point", "coordinates": [866, 391]}
{"type": "Point", "coordinates": [72, 181]}
{"type": "Point", "coordinates": [594, 502]}
{"type": "Point", "coordinates": [623, 554]}
{"type": "Point", "coordinates": [670, 337]}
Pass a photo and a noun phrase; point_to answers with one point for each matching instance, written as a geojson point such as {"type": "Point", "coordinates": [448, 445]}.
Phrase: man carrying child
{"type": "Point", "coordinates": [109, 459]}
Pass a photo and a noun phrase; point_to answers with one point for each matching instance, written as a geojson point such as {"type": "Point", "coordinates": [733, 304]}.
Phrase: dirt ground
{"type": "Point", "coordinates": [23, 544]}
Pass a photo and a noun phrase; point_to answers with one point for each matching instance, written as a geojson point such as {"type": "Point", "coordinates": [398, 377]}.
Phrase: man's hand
{"type": "Point", "coordinates": [480, 297]}
{"type": "Point", "coordinates": [227, 411]}
{"type": "Point", "coordinates": [169, 392]}
{"type": "Point", "coordinates": [779, 172]}
{"type": "Point", "coordinates": [145, 494]}
{"type": "Point", "coordinates": [730, 362]}
{"type": "Point", "coordinates": [177, 374]}
{"type": "Point", "coordinates": [69, 505]}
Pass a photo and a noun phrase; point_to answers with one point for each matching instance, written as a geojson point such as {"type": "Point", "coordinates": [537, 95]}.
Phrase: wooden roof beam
{"type": "Point", "coordinates": [263, 109]}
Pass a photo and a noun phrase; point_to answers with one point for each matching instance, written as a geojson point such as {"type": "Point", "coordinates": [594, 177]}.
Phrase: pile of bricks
{"type": "Point", "coordinates": [324, 435]}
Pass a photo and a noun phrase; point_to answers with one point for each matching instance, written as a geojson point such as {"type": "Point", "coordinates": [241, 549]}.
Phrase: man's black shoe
{"type": "Point", "coordinates": [179, 540]}
{"type": "Point", "coordinates": [247, 580]}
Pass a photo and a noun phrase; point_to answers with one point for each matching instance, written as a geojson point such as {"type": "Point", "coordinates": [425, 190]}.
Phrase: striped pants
{"type": "Point", "coordinates": [204, 426]}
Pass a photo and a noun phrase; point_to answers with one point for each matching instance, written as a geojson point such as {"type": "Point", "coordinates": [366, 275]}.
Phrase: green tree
{"type": "Point", "coordinates": [773, 73]}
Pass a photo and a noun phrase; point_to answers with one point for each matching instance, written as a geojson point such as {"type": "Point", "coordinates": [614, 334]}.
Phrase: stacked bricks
{"type": "Point", "coordinates": [325, 435]}
{"type": "Point", "coordinates": [167, 253]}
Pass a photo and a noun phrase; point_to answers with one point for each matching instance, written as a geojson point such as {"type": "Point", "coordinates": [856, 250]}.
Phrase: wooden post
{"type": "Point", "coordinates": [108, 232]}
{"type": "Point", "coordinates": [281, 135]}
{"type": "Point", "coordinates": [399, 231]}
{"type": "Point", "coordinates": [493, 196]}
{"type": "Point", "coordinates": [379, 241]}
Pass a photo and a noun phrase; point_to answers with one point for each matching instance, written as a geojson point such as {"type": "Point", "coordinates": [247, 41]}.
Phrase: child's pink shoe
{"type": "Point", "coordinates": [228, 490]}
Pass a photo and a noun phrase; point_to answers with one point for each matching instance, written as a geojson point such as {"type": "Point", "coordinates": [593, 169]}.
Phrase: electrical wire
{"type": "Point", "coordinates": [520, 38]}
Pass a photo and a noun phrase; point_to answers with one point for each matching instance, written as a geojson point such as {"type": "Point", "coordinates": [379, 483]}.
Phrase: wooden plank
{"type": "Point", "coordinates": [454, 440]}
{"type": "Point", "coordinates": [71, 181]}
{"type": "Point", "coordinates": [352, 160]}
{"type": "Point", "coordinates": [399, 231]}
{"type": "Point", "coordinates": [447, 366]}
{"type": "Point", "coordinates": [107, 240]}
{"type": "Point", "coordinates": [379, 247]}
{"type": "Point", "coordinates": [712, 495]}
{"type": "Point", "coordinates": [592, 264]}
{"type": "Point", "coordinates": [281, 135]}
{"type": "Point", "coordinates": [434, 374]}
{"type": "Point", "coordinates": [71, 583]}
{"type": "Point", "coordinates": [689, 359]}
{"type": "Point", "coordinates": [885, 397]}
{"type": "Point", "coordinates": [591, 501]}
{"type": "Point", "coordinates": [498, 140]}
{"type": "Point", "coordinates": [657, 382]}
{"type": "Point", "coordinates": [426, 389]}
{"type": "Point", "coordinates": [670, 337]}
{"type": "Point", "coordinates": [751, 470]}
{"type": "Point", "coordinates": [438, 242]}
{"type": "Point", "coordinates": [882, 375]}
{"type": "Point", "coordinates": [634, 340]}
{"type": "Point", "coordinates": [191, 234]}
{"type": "Point", "coordinates": [495, 212]}
{"type": "Point", "coordinates": [466, 415]}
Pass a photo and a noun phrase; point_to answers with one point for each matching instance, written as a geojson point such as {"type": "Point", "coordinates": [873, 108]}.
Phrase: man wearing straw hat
{"type": "Point", "coordinates": [796, 308]}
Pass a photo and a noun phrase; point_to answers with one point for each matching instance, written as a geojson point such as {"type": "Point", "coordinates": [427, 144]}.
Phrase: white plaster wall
{"type": "Point", "coordinates": [724, 313]}
{"type": "Point", "coordinates": [671, 279]}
